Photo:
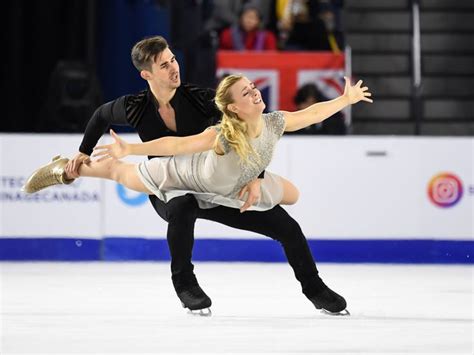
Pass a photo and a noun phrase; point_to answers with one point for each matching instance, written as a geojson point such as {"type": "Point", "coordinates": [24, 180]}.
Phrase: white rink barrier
{"type": "Point", "coordinates": [356, 193]}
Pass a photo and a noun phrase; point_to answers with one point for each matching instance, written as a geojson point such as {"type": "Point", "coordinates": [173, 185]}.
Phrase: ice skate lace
{"type": "Point", "coordinates": [48, 179]}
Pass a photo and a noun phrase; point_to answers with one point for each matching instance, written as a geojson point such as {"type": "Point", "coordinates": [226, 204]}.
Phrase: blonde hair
{"type": "Point", "coordinates": [233, 129]}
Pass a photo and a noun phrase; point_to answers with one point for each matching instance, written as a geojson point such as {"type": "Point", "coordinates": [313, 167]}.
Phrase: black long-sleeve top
{"type": "Point", "coordinates": [194, 109]}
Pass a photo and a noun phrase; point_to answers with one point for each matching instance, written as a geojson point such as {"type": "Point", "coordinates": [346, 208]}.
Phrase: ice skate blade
{"type": "Point", "coordinates": [205, 312]}
{"type": "Point", "coordinates": [344, 313]}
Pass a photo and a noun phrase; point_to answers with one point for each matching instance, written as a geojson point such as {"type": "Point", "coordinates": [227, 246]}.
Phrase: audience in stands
{"type": "Point", "coordinates": [308, 25]}
{"type": "Point", "coordinates": [248, 33]}
{"type": "Point", "coordinates": [225, 13]}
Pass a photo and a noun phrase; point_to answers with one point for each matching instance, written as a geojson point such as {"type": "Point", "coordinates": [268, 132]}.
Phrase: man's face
{"type": "Point", "coordinates": [165, 70]}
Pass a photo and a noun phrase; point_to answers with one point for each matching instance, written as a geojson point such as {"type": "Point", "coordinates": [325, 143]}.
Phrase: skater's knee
{"type": "Point", "coordinates": [181, 217]}
{"type": "Point", "coordinates": [182, 210]}
{"type": "Point", "coordinates": [126, 175]}
{"type": "Point", "coordinates": [291, 193]}
{"type": "Point", "coordinates": [114, 172]}
{"type": "Point", "coordinates": [287, 232]}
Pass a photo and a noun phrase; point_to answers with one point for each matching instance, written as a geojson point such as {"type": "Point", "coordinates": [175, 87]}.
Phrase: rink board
{"type": "Point", "coordinates": [241, 250]}
{"type": "Point", "coordinates": [363, 199]}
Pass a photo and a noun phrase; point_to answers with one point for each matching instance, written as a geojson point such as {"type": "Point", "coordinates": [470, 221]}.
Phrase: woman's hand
{"type": "Point", "coordinates": [355, 93]}
{"type": "Point", "coordinates": [254, 193]}
{"type": "Point", "coordinates": [117, 150]}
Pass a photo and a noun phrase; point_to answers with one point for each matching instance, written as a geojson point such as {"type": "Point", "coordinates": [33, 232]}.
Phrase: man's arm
{"type": "Point", "coordinates": [113, 112]}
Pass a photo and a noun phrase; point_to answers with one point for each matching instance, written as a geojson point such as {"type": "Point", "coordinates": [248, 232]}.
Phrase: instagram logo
{"type": "Point", "coordinates": [445, 190]}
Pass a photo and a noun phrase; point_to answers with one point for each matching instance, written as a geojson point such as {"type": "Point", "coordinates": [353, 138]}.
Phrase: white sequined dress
{"type": "Point", "coordinates": [217, 179]}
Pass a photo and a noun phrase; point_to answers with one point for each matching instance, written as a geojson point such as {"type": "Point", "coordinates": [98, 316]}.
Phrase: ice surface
{"type": "Point", "coordinates": [112, 308]}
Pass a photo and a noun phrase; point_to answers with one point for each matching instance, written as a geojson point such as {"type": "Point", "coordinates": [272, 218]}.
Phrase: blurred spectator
{"type": "Point", "coordinates": [329, 14]}
{"type": "Point", "coordinates": [195, 28]}
{"type": "Point", "coordinates": [248, 34]}
{"type": "Point", "coordinates": [307, 95]}
{"type": "Point", "coordinates": [308, 25]}
{"type": "Point", "coordinates": [225, 13]}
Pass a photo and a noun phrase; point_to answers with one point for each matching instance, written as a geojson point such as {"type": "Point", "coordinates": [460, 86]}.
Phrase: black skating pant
{"type": "Point", "coordinates": [181, 214]}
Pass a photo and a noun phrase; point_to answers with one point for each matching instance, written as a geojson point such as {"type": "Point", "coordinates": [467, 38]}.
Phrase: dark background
{"type": "Point", "coordinates": [55, 50]}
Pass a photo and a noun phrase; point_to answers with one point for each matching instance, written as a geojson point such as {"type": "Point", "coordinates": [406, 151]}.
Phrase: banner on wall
{"type": "Point", "coordinates": [279, 74]}
{"type": "Point", "coordinates": [61, 211]}
{"type": "Point", "coordinates": [384, 188]}
{"type": "Point", "coordinates": [414, 190]}
{"type": "Point", "coordinates": [362, 199]}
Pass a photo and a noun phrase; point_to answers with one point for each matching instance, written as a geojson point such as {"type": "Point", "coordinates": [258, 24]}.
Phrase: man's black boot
{"type": "Point", "coordinates": [194, 298]}
{"type": "Point", "coordinates": [329, 302]}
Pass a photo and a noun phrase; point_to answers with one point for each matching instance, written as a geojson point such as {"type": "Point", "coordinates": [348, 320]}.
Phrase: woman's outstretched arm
{"type": "Point", "coordinates": [158, 147]}
{"type": "Point", "coordinates": [320, 111]}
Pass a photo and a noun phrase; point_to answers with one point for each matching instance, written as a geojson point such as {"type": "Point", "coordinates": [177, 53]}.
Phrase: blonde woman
{"type": "Point", "coordinates": [215, 164]}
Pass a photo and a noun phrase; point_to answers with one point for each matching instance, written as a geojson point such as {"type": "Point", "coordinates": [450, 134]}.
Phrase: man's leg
{"type": "Point", "coordinates": [279, 225]}
{"type": "Point", "coordinates": [181, 213]}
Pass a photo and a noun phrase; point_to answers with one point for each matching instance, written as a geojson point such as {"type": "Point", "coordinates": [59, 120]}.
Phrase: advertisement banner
{"type": "Point", "coordinates": [61, 211]}
{"type": "Point", "coordinates": [350, 188]}
{"type": "Point", "coordinates": [382, 187]}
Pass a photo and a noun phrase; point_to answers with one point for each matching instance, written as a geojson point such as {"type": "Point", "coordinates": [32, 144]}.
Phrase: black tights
{"type": "Point", "coordinates": [181, 214]}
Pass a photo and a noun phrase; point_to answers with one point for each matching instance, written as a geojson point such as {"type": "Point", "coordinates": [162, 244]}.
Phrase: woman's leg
{"type": "Point", "coordinates": [112, 169]}
{"type": "Point", "coordinates": [290, 193]}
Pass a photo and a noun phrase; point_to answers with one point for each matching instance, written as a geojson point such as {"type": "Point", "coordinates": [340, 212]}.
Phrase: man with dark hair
{"type": "Point", "coordinates": [168, 108]}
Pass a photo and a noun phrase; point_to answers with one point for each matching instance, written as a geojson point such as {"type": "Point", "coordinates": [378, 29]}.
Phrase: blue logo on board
{"type": "Point", "coordinates": [130, 197]}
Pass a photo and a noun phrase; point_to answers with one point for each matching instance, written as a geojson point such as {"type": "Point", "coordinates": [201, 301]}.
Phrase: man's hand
{"type": "Point", "coordinates": [253, 191]}
{"type": "Point", "coordinates": [72, 167]}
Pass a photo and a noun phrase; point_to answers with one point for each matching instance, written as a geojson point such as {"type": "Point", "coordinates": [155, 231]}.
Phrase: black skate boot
{"type": "Point", "coordinates": [329, 302]}
{"type": "Point", "coordinates": [194, 299]}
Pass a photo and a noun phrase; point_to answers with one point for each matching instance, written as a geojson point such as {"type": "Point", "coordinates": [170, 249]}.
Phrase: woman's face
{"type": "Point", "coordinates": [248, 101]}
{"type": "Point", "coordinates": [250, 20]}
